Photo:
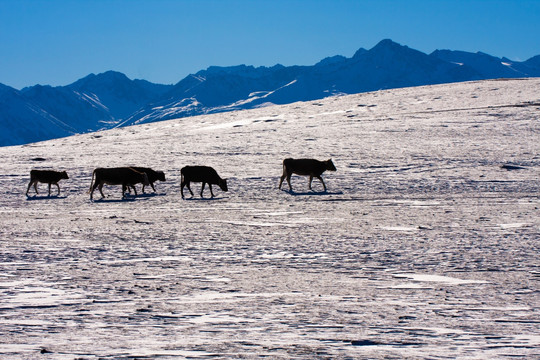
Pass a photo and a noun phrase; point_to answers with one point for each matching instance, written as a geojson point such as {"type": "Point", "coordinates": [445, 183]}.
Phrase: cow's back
{"type": "Point", "coordinates": [152, 174]}
{"type": "Point", "coordinates": [304, 166]}
{"type": "Point", "coordinates": [117, 176]}
{"type": "Point", "coordinates": [47, 176]}
{"type": "Point", "coordinates": [200, 174]}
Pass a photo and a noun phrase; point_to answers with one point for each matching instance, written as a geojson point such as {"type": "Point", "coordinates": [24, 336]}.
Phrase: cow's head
{"type": "Point", "coordinates": [64, 175]}
{"type": "Point", "coordinates": [330, 165]}
{"type": "Point", "coordinates": [160, 175]}
{"type": "Point", "coordinates": [223, 184]}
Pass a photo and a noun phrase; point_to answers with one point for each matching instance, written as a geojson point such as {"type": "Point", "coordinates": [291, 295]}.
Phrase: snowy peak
{"type": "Point", "coordinates": [84, 110]}
{"type": "Point", "coordinates": [120, 95]}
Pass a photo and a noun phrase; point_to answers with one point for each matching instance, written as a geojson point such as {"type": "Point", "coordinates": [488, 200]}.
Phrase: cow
{"type": "Point", "coordinates": [153, 176]}
{"type": "Point", "coordinates": [311, 167]}
{"type": "Point", "coordinates": [46, 176]}
{"type": "Point", "coordinates": [124, 176]}
{"type": "Point", "coordinates": [204, 174]}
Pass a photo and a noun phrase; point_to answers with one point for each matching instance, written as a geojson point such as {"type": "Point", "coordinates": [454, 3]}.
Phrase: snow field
{"type": "Point", "coordinates": [423, 246]}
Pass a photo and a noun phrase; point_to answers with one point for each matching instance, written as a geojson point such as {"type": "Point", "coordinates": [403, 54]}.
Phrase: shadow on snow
{"type": "Point", "coordinates": [313, 193]}
{"type": "Point", "coordinates": [147, 195]}
{"type": "Point", "coordinates": [203, 198]}
{"type": "Point", "coordinates": [45, 197]}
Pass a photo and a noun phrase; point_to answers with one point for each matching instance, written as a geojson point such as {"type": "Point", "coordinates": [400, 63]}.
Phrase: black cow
{"type": "Point", "coordinates": [47, 177]}
{"type": "Point", "coordinates": [153, 176]}
{"type": "Point", "coordinates": [204, 174]}
{"type": "Point", "coordinates": [311, 167]}
{"type": "Point", "coordinates": [124, 176]}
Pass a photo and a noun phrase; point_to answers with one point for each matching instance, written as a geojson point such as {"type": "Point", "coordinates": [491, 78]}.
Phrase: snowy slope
{"type": "Point", "coordinates": [423, 247]}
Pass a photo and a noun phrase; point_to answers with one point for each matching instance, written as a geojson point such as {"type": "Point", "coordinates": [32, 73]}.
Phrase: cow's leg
{"type": "Point", "coordinates": [58, 186]}
{"type": "Point", "coordinates": [29, 186]}
{"type": "Point", "coordinates": [50, 189]}
{"type": "Point", "coordinates": [35, 187]}
{"type": "Point", "coordinates": [211, 193]}
{"type": "Point", "coordinates": [202, 188]}
{"type": "Point", "coordinates": [100, 187]}
{"type": "Point", "coordinates": [186, 183]}
{"type": "Point", "coordinates": [323, 185]}
{"type": "Point", "coordinates": [310, 181]}
{"type": "Point", "coordinates": [152, 185]}
{"type": "Point", "coordinates": [281, 180]}
{"type": "Point", "coordinates": [124, 187]}
{"type": "Point", "coordinates": [92, 188]}
{"type": "Point", "coordinates": [134, 189]}
{"type": "Point", "coordinates": [289, 182]}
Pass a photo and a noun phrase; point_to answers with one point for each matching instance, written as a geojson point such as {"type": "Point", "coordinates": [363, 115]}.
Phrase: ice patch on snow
{"type": "Point", "coordinates": [438, 278]}
{"type": "Point", "coordinates": [512, 225]}
{"type": "Point", "coordinates": [399, 228]}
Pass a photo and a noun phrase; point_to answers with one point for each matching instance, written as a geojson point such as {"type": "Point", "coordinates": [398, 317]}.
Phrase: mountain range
{"type": "Point", "coordinates": [111, 99]}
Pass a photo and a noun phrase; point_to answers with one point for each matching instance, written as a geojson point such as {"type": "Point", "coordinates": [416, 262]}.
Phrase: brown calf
{"type": "Point", "coordinates": [47, 177]}
{"type": "Point", "coordinates": [204, 174]}
{"type": "Point", "coordinates": [124, 176]}
{"type": "Point", "coordinates": [153, 176]}
{"type": "Point", "coordinates": [311, 167]}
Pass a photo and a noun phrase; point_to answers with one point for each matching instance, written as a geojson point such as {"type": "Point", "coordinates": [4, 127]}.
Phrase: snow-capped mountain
{"type": "Point", "coordinates": [84, 111]}
{"type": "Point", "coordinates": [112, 100]}
{"type": "Point", "coordinates": [22, 121]}
{"type": "Point", "coordinates": [120, 95]}
{"type": "Point", "coordinates": [93, 103]}
{"type": "Point", "coordinates": [385, 66]}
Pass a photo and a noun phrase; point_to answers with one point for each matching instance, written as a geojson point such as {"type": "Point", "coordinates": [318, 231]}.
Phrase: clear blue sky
{"type": "Point", "coordinates": [57, 42]}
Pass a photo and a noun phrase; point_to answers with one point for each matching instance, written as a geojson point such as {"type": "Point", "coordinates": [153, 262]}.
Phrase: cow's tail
{"type": "Point", "coordinates": [92, 183]}
{"type": "Point", "coordinates": [285, 161]}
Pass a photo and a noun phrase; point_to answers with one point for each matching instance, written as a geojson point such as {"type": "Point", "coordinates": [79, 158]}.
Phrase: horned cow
{"type": "Point", "coordinates": [153, 176]}
{"type": "Point", "coordinates": [47, 177]}
{"type": "Point", "coordinates": [124, 176]}
{"type": "Point", "coordinates": [204, 174]}
{"type": "Point", "coordinates": [311, 167]}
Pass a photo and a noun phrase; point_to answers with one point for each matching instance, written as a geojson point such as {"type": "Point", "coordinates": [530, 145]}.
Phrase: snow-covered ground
{"type": "Point", "coordinates": [423, 246]}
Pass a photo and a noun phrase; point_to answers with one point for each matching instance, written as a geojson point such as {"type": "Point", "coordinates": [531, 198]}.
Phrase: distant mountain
{"type": "Point", "coordinates": [84, 111]}
{"type": "Point", "coordinates": [111, 99]}
{"type": "Point", "coordinates": [120, 95]}
{"type": "Point", "coordinates": [22, 121]}
{"type": "Point", "coordinates": [489, 67]}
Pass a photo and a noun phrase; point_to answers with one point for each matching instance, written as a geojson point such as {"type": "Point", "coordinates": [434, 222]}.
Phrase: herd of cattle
{"type": "Point", "coordinates": [128, 177]}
